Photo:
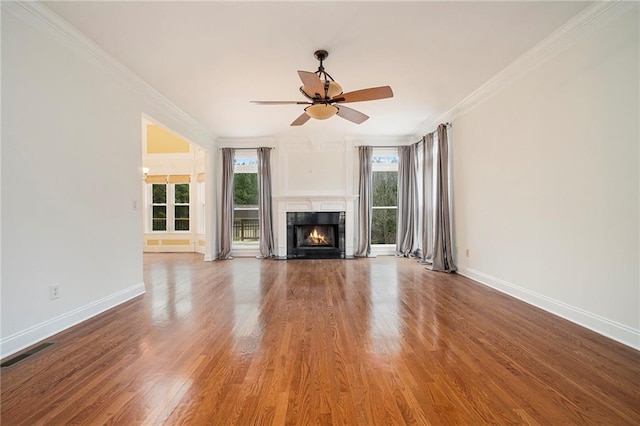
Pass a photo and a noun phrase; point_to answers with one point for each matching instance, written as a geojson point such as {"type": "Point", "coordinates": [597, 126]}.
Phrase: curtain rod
{"type": "Point", "coordinates": [448, 125]}
{"type": "Point", "coordinates": [251, 147]}
{"type": "Point", "coordinates": [380, 146]}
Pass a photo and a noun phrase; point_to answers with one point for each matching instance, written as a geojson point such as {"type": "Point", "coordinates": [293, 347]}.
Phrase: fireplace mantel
{"type": "Point", "coordinates": [313, 198]}
{"type": "Point", "coordinates": [316, 203]}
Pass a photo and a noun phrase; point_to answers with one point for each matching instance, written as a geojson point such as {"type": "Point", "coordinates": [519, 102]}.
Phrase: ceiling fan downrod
{"type": "Point", "coordinates": [321, 55]}
{"type": "Point", "coordinates": [323, 75]}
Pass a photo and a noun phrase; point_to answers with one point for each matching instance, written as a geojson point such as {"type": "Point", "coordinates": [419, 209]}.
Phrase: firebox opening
{"type": "Point", "coordinates": [316, 235]}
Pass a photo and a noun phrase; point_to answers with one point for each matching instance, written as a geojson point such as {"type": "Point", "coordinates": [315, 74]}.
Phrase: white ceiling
{"type": "Point", "coordinates": [212, 58]}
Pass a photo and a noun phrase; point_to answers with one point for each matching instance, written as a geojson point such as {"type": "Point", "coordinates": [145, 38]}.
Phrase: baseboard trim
{"type": "Point", "coordinates": [170, 249]}
{"type": "Point", "coordinates": [28, 337]}
{"type": "Point", "coordinates": [245, 252]}
{"type": "Point", "coordinates": [606, 327]}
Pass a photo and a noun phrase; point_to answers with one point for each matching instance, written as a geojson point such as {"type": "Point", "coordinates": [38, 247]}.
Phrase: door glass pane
{"type": "Point", "coordinates": [383, 226]}
{"type": "Point", "coordinates": [245, 225]}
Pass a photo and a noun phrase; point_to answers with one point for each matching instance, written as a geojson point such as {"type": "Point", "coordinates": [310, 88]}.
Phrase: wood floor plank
{"type": "Point", "coordinates": [341, 342]}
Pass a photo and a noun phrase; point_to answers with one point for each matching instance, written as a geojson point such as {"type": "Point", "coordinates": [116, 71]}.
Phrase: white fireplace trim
{"type": "Point", "coordinates": [316, 203]}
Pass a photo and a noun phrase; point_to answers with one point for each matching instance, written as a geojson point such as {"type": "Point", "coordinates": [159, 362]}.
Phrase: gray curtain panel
{"type": "Point", "coordinates": [365, 202]}
{"type": "Point", "coordinates": [226, 209]}
{"type": "Point", "coordinates": [427, 230]}
{"type": "Point", "coordinates": [265, 212]}
{"type": "Point", "coordinates": [442, 252]}
{"type": "Point", "coordinates": [406, 236]}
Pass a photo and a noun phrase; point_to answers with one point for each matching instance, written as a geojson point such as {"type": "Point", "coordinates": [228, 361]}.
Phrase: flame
{"type": "Point", "coordinates": [317, 238]}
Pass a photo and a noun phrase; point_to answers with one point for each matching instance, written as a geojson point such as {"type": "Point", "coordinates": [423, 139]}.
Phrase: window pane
{"type": "Point", "coordinates": [245, 189]}
{"type": "Point", "coordinates": [181, 193]}
{"type": "Point", "coordinates": [159, 193]}
{"type": "Point", "coordinates": [245, 225]}
{"type": "Point", "coordinates": [383, 226]}
{"type": "Point", "coordinates": [241, 161]}
{"type": "Point", "coordinates": [385, 188]}
{"type": "Point", "coordinates": [159, 219]}
{"type": "Point", "coordinates": [384, 160]}
{"type": "Point", "coordinates": [181, 218]}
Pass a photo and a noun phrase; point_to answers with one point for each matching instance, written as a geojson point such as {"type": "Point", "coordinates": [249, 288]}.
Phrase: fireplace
{"type": "Point", "coordinates": [315, 235]}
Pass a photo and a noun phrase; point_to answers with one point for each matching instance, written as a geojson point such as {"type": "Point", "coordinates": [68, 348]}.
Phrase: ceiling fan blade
{"type": "Point", "coordinates": [312, 83]}
{"type": "Point", "coordinates": [351, 114]}
{"type": "Point", "coordinates": [370, 94]}
{"type": "Point", "coordinates": [301, 120]}
{"type": "Point", "coordinates": [279, 102]}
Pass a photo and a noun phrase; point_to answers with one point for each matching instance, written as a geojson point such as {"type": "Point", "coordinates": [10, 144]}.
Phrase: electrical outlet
{"type": "Point", "coordinates": [466, 253]}
{"type": "Point", "coordinates": [134, 205]}
{"type": "Point", "coordinates": [54, 292]}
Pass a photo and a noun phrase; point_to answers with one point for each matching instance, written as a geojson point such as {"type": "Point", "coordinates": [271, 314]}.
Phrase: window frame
{"type": "Point", "coordinates": [250, 166]}
{"type": "Point", "coordinates": [202, 225]}
{"type": "Point", "coordinates": [170, 205]}
{"type": "Point", "coordinates": [391, 166]}
{"type": "Point", "coordinates": [152, 206]}
{"type": "Point", "coordinates": [176, 204]}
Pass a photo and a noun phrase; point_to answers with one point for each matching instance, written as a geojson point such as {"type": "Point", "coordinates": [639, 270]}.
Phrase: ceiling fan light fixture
{"type": "Point", "coordinates": [334, 90]}
{"type": "Point", "coordinates": [322, 92]}
{"type": "Point", "coordinates": [321, 111]}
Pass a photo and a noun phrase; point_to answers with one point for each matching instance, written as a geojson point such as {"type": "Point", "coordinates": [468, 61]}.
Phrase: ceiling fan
{"type": "Point", "coordinates": [325, 97]}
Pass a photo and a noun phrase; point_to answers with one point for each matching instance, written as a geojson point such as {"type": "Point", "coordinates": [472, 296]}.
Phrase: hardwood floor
{"type": "Point", "coordinates": [356, 342]}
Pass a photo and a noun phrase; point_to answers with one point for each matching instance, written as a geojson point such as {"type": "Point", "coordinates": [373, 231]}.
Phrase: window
{"type": "Point", "coordinates": [170, 207]}
{"type": "Point", "coordinates": [384, 216]}
{"type": "Point", "coordinates": [201, 205]}
{"type": "Point", "coordinates": [181, 206]}
{"type": "Point", "coordinates": [159, 207]}
{"type": "Point", "coordinates": [246, 227]}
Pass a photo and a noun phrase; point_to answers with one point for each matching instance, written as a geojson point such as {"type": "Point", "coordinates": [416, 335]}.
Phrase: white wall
{"type": "Point", "coordinates": [71, 162]}
{"type": "Point", "coordinates": [310, 168]}
{"type": "Point", "coordinates": [313, 175]}
{"type": "Point", "coordinates": [546, 184]}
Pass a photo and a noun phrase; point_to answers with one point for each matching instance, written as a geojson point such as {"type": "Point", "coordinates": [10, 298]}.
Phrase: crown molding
{"type": "Point", "coordinates": [586, 22]}
{"type": "Point", "coordinates": [241, 142]}
{"type": "Point", "coordinates": [54, 27]}
{"type": "Point", "coordinates": [382, 140]}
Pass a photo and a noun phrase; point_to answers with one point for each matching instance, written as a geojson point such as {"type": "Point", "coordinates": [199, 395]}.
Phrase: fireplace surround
{"type": "Point", "coordinates": [315, 235]}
